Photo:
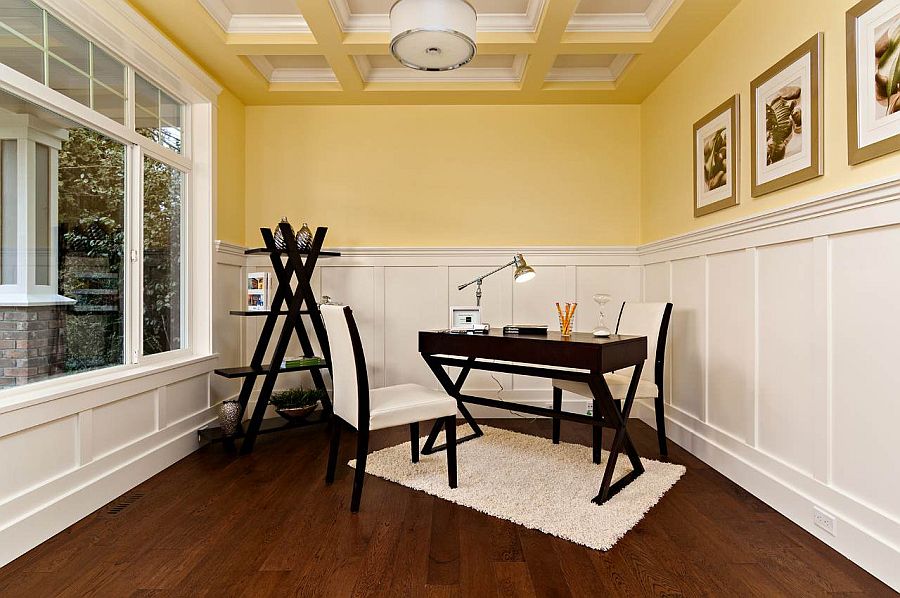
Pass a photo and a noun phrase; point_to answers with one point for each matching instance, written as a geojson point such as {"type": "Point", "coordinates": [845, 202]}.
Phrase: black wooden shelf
{"type": "Point", "coordinates": [266, 250]}
{"type": "Point", "coordinates": [287, 306]}
{"type": "Point", "coordinates": [249, 370]}
{"type": "Point", "coordinates": [239, 312]}
{"type": "Point", "coordinates": [268, 426]}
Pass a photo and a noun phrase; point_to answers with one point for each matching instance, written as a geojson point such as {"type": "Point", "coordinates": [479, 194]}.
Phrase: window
{"type": "Point", "coordinates": [162, 257]}
{"type": "Point", "coordinates": [157, 116]}
{"type": "Point", "coordinates": [93, 246]}
{"type": "Point", "coordinates": [37, 44]}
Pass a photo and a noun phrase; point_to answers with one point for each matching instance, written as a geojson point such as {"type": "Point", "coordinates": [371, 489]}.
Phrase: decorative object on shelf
{"type": "Point", "coordinates": [280, 243]}
{"type": "Point", "coordinates": [304, 238]}
{"type": "Point", "coordinates": [602, 330]}
{"type": "Point", "coordinates": [873, 79]}
{"type": "Point", "coordinates": [566, 318]}
{"type": "Point", "coordinates": [296, 404]}
{"type": "Point", "coordinates": [717, 166]}
{"type": "Point", "coordinates": [258, 291]}
{"type": "Point", "coordinates": [298, 362]}
{"type": "Point", "coordinates": [523, 273]}
{"type": "Point", "coordinates": [786, 121]}
{"type": "Point", "coordinates": [229, 416]}
{"type": "Point", "coordinates": [433, 35]}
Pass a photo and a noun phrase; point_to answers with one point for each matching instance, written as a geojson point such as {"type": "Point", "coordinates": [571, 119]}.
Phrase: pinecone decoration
{"type": "Point", "coordinates": [279, 238]}
{"type": "Point", "coordinates": [304, 238]}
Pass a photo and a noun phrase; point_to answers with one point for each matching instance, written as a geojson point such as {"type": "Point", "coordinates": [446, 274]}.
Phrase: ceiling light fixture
{"type": "Point", "coordinates": [433, 35]}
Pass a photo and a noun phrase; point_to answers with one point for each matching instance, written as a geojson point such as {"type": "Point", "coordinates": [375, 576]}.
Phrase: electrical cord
{"type": "Point", "coordinates": [499, 392]}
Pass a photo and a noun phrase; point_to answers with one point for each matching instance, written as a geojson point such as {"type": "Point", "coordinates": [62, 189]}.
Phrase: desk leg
{"type": "Point", "coordinates": [453, 389]}
{"type": "Point", "coordinates": [597, 432]}
{"type": "Point", "coordinates": [621, 440]}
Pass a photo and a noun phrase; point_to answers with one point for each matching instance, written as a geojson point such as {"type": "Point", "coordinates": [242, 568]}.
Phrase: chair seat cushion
{"type": "Point", "coordinates": [618, 387]}
{"type": "Point", "coordinates": [407, 403]}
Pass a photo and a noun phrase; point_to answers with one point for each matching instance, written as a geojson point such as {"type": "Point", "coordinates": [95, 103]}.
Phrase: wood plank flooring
{"type": "Point", "coordinates": [266, 525]}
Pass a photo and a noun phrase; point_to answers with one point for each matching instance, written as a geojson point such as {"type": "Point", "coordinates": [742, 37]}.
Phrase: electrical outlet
{"type": "Point", "coordinates": [823, 520]}
{"type": "Point", "coordinates": [589, 409]}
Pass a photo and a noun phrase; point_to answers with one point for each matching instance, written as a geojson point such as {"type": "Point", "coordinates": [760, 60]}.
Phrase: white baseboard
{"type": "Point", "coordinates": [162, 449]}
{"type": "Point", "coordinates": [865, 547]}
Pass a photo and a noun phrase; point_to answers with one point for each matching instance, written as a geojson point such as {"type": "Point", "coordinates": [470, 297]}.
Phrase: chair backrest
{"type": "Point", "coordinates": [650, 320]}
{"type": "Point", "coordinates": [348, 365]}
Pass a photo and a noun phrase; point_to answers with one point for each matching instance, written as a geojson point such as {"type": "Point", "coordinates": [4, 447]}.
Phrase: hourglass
{"type": "Point", "coordinates": [602, 329]}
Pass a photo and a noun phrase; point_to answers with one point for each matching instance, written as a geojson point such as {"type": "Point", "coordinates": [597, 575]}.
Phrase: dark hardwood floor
{"type": "Point", "coordinates": [266, 525]}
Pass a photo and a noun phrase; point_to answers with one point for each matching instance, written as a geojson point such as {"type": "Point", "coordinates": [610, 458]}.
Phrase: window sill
{"type": "Point", "coordinates": [16, 398]}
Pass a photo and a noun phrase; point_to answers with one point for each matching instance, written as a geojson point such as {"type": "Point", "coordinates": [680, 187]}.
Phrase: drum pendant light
{"type": "Point", "coordinates": [433, 35]}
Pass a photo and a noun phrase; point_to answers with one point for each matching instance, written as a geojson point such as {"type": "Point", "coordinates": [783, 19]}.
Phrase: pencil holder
{"type": "Point", "coordinates": [566, 318]}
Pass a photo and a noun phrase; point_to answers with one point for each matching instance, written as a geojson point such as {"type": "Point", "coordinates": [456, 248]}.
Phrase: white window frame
{"type": "Point", "coordinates": [119, 30]}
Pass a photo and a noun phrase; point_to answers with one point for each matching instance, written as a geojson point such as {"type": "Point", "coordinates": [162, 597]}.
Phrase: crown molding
{"type": "Point", "coordinates": [252, 23]}
{"type": "Point", "coordinates": [486, 22]}
{"type": "Point", "coordinates": [291, 75]}
{"type": "Point", "coordinates": [636, 22]}
{"type": "Point", "coordinates": [604, 73]}
{"type": "Point", "coordinates": [400, 74]}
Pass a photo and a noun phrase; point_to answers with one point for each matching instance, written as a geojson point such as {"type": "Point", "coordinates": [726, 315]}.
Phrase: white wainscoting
{"type": "Point", "coordinates": [784, 353]}
{"type": "Point", "coordinates": [63, 458]}
{"type": "Point", "coordinates": [395, 292]}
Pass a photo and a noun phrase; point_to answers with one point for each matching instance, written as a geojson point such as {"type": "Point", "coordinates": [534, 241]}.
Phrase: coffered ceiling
{"type": "Point", "coordinates": [529, 51]}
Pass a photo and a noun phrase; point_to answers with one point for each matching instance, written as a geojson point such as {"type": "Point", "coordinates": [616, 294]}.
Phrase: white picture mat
{"type": "Point", "coordinates": [802, 70]}
{"type": "Point", "coordinates": [704, 197]}
{"type": "Point", "coordinates": [872, 126]}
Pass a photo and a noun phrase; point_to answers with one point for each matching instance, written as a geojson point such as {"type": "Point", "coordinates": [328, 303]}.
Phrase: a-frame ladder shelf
{"type": "Point", "coordinates": [289, 302]}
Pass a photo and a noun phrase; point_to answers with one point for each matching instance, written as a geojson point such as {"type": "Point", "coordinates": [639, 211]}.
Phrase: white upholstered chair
{"type": "Point", "coordinates": [367, 410]}
{"type": "Point", "coordinates": [639, 319]}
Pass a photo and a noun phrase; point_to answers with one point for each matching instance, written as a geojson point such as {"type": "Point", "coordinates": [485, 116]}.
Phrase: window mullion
{"type": "Point", "coordinates": [135, 310]}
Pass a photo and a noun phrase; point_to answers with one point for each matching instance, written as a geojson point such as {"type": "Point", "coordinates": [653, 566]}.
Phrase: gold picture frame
{"type": "Point", "coordinates": [717, 147]}
{"type": "Point", "coordinates": [786, 119]}
{"type": "Point", "coordinates": [873, 114]}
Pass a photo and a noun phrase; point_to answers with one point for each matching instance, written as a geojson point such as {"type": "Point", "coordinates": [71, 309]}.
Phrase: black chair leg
{"type": "Point", "coordinates": [414, 441]}
{"type": "Point", "coordinates": [362, 451]}
{"type": "Point", "coordinates": [333, 449]}
{"type": "Point", "coordinates": [659, 407]}
{"type": "Point", "coordinates": [450, 426]}
{"type": "Point", "coordinates": [557, 406]}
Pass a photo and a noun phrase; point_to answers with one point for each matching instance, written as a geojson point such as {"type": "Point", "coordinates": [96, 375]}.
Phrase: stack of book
{"type": "Point", "coordinates": [296, 362]}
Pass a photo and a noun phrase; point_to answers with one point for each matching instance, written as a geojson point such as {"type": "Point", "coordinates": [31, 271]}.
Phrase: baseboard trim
{"type": "Point", "coordinates": [50, 518]}
{"type": "Point", "coordinates": [862, 546]}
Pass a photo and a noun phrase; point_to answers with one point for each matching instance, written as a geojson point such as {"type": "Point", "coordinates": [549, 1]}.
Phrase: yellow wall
{"type": "Point", "coordinates": [755, 35]}
{"type": "Point", "coordinates": [231, 164]}
{"type": "Point", "coordinates": [447, 175]}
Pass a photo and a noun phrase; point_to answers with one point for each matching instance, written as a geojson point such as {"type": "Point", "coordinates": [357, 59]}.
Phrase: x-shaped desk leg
{"type": "Point", "coordinates": [621, 440]}
{"type": "Point", "coordinates": [453, 389]}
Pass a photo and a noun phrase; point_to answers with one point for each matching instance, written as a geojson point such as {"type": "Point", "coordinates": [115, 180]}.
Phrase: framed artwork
{"type": "Point", "coordinates": [786, 121]}
{"type": "Point", "coordinates": [717, 143]}
{"type": "Point", "coordinates": [873, 79]}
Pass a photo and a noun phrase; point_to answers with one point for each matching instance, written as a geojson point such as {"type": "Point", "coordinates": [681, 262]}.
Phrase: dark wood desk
{"type": "Point", "coordinates": [581, 358]}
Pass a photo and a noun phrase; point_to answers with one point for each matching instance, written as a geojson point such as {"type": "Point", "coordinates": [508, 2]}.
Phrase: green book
{"type": "Point", "coordinates": [296, 362]}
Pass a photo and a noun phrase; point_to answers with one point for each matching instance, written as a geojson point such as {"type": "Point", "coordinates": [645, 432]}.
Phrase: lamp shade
{"type": "Point", "coordinates": [433, 35]}
{"type": "Point", "coordinates": [523, 272]}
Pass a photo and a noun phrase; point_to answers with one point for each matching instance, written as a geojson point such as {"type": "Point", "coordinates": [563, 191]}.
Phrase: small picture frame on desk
{"type": "Point", "coordinates": [465, 318]}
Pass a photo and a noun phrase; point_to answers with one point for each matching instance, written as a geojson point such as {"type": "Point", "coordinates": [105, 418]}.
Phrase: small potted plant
{"type": "Point", "coordinates": [295, 404]}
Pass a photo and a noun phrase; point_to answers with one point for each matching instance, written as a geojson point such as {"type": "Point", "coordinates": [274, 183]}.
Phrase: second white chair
{"type": "Point", "coordinates": [640, 319]}
{"type": "Point", "coordinates": [367, 410]}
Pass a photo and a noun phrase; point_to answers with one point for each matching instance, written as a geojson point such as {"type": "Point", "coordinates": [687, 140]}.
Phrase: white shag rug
{"type": "Point", "coordinates": [533, 482]}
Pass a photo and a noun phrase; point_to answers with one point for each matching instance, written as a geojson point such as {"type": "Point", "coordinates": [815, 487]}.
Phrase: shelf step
{"type": "Point", "coordinates": [244, 371]}
{"type": "Point", "coordinates": [268, 427]}
{"type": "Point", "coordinates": [257, 250]}
{"type": "Point", "coordinates": [238, 312]}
